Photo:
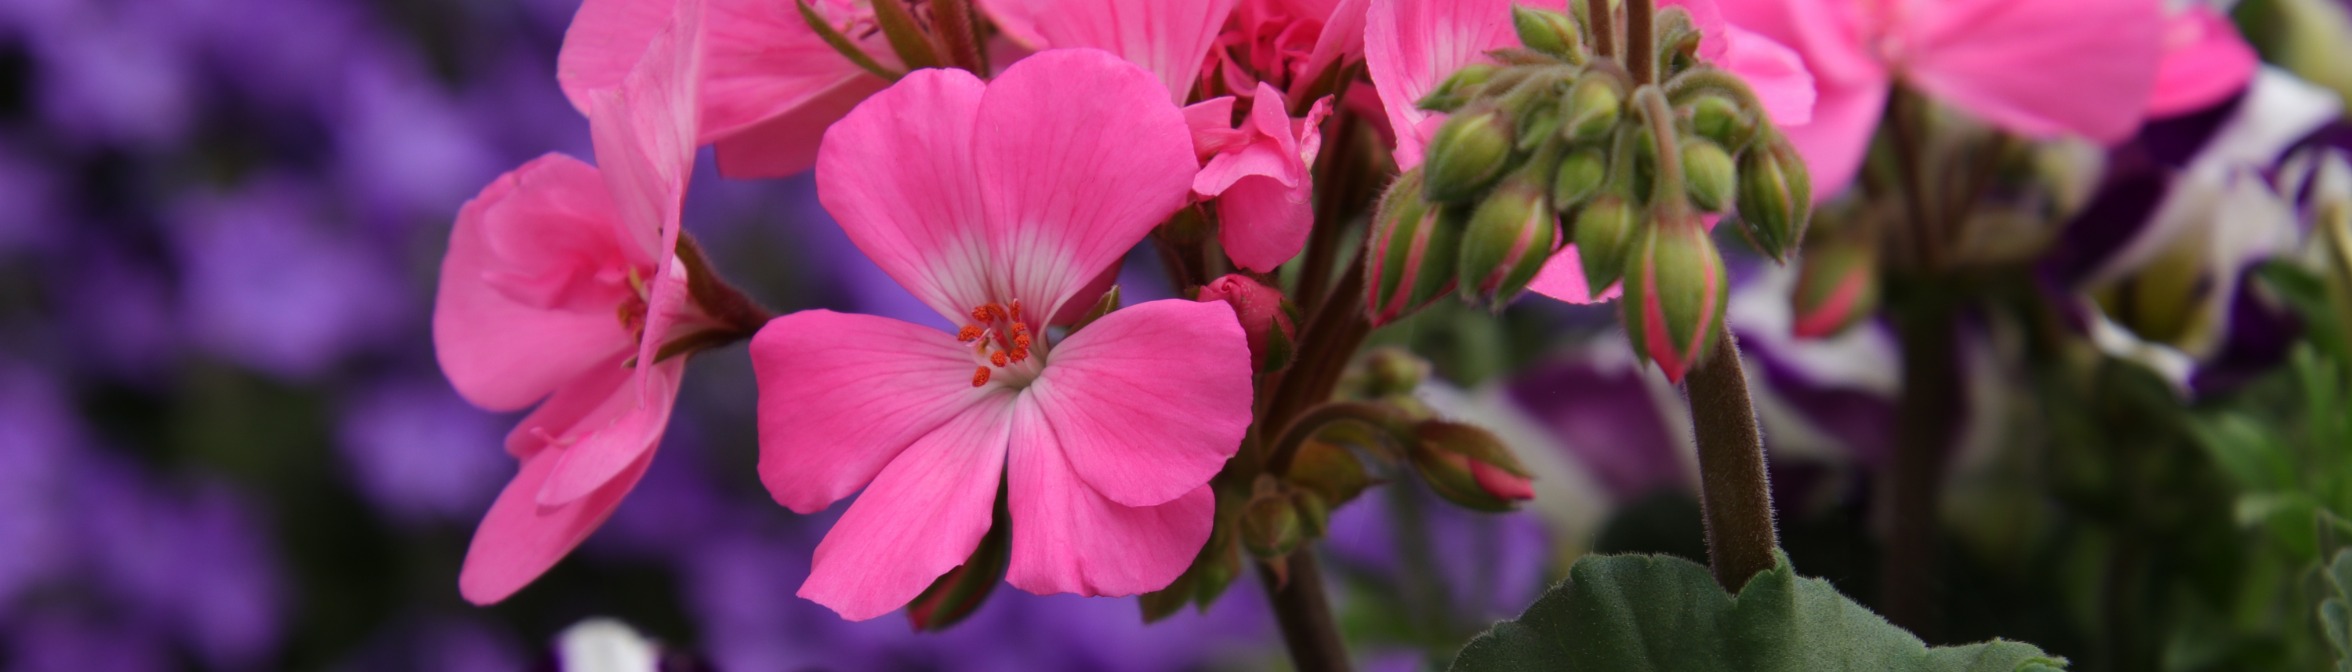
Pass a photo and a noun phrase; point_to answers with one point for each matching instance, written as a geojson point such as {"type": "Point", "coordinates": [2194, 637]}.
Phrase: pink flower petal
{"type": "Point", "coordinates": [1826, 33]}
{"type": "Point", "coordinates": [519, 540]}
{"type": "Point", "coordinates": [644, 131]}
{"type": "Point", "coordinates": [1413, 45]}
{"type": "Point", "coordinates": [840, 395]}
{"type": "Point", "coordinates": [1148, 402]}
{"type": "Point", "coordinates": [604, 42]}
{"type": "Point", "coordinates": [922, 517]}
{"type": "Point", "coordinates": [2039, 69]}
{"type": "Point", "coordinates": [898, 175]}
{"type": "Point", "coordinates": [1171, 38]}
{"type": "Point", "coordinates": [1068, 539]}
{"type": "Point", "coordinates": [1834, 143]}
{"type": "Point", "coordinates": [592, 399]}
{"type": "Point", "coordinates": [1562, 278]}
{"type": "Point", "coordinates": [1083, 156]}
{"type": "Point", "coordinates": [1264, 222]}
{"type": "Point", "coordinates": [2205, 62]}
{"type": "Point", "coordinates": [520, 308]}
{"type": "Point", "coordinates": [1342, 38]}
{"type": "Point", "coordinates": [607, 446]}
{"type": "Point", "coordinates": [786, 143]}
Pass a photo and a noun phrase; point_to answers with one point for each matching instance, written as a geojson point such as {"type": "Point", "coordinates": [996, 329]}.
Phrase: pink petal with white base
{"type": "Point", "coordinates": [1171, 38]}
{"type": "Point", "coordinates": [526, 297]}
{"type": "Point", "coordinates": [1069, 539]}
{"type": "Point", "coordinates": [2039, 69]}
{"type": "Point", "coordinates": [519, 540]}
{"type": "Point", "coordinates": [1411, 46]}
{"type": "Point", "coordinates": [1084, 155]}
{"type": "Point", "coordinates": [922, 517]}
{"type": "Point", "coordinates": [1149, 401]}
{"type": "Point", "coordinates": [2205, 62]}
{"type": "Point", "coordinates": [898, 175]}
{"type": "Point", "coordinates": [841, 395]}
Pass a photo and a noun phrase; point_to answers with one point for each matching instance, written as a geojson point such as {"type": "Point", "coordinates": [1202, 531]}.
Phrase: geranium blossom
{"type": "Point", "coordinates": [561, 284]}
{"type": "Point", "coordinates": [994, 204]}
{"type": "Point", "coordinates": [2037, 68]}
{"type": "Point", "coordinates": [769, 85]}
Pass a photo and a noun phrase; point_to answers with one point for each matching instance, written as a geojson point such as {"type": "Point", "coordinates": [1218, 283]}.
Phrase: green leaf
{"type": "Point", "coordinates": [1660, 613]}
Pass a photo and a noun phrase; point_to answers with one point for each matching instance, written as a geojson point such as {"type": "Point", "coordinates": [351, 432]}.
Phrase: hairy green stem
{"type": "Point", "coordinates": [1734, 492]}
{"type": "Point", "coordinates": [1304, 614]}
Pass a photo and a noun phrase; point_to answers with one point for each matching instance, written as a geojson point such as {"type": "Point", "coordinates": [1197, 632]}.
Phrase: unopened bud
{"type": "Point", "coordinates": [958, 593]}
{"type": "Point", "coordinates": [1837, 286]}
{"type": "Point", "coordinates": [1510, 236]}
{"type": "Point", "coordinates": [1604, 231]}
{"type": "Point", "coordinates": [1548, 31]}
{"type": "Point", "coordinates": [1675, 291]}
{"type": "Point", "coordinates": [1410, 257]}
{"type": "Point", "coordinates": [1579, 176]}
{"type": "Point", "coordinates": [1592, 108]}
{"type": "Point", "coordinates": [1266, 316]}
{"type": "Point", "coordinates": [1394, 371]}
{"type": "Point", "coordinates": [1329, 470]}
{"type": "Point", "coordinates": [1270, 525]}
{"type": "Point", "coordinates": [1459, 87]}
{"type": "Point", "coordinates": [1720, 119]}
{"type": "Point", "coordinates": [1469, 466]}
{"type": "Point", "coordinates": [1707, 174]}
{"type": "Point", "coordinates": [1468, 152]}
{"type": "Point", "coordinates": [1775, 197]}
{"type": "Point", "coordinates": [1677, 38]}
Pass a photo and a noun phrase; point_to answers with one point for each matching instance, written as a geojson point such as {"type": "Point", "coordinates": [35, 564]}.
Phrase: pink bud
{"type": "Point", "coordinates": [1837, 285]}
{"type": "Point", "coordinates": [1675, 291]}
{"type": "Point", "coordinates": [1503, 485]}
{"type": "Point", "coordinates": [1266, 315]}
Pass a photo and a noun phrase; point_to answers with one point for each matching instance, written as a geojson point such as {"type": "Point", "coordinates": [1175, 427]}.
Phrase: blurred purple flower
{"type": "Point", "coordinates": [67, 643]}
{"type": "Point", "coordinates": [31, 219]}
{"type": "Point", "coordinates": [194, 565]}
{"type": "Point", "coordinates": [41, 434]}
{"type": "Point", "coordinates": [1830, 399]}
{"type": "Point", "coordinates": [118, 315]}
{"type": "Point", "coordinates": [292, 55]}
{"type": "Point", "coordinates": [448, 644]}
{"type": "Point", "coordinates": [111, 74]}
{"type": "Point", "coordinates": [420, 453]}
{"type": "Point", "coordinates": [269, 286]}
{"type": "Point", "coordinates": [1605, 414]}
{"type": "Point", "coordinates": [1486, 566]}
{"type": "Point", "coordinates": [404, 149]}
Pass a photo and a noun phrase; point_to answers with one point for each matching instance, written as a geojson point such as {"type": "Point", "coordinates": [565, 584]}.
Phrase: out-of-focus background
{"type": "Point", "coordinates": [225, 445]}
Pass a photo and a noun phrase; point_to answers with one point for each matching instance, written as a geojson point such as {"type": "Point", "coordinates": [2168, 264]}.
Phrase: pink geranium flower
{"type": "Point", "coordinates": [770, 85]}
{"type": "Point", "coordinates": [1260, 174]}
{"type": "Point", "coordinates": [993, 204]}
{"type": "Point", "coordinates": [561, 285]}
{"type": "Point", "coordinates": [2037, 68]}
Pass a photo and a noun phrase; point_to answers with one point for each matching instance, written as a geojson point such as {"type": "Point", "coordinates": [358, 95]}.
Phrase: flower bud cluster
{"type": "Point", "coordinates": [1555, 144]}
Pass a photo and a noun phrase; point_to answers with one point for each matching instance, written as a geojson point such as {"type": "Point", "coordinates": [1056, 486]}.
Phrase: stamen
{"type": "Point", "coordinates": [999, 358]}
{"type": "Point", "coordinates": [1013, 312]}
{"type": "Point", "coordinates": [968, 334]}
{"type": "Point", "coordinates": [987, 313]}
{"type": "Point", "coordinates": [979, 376]}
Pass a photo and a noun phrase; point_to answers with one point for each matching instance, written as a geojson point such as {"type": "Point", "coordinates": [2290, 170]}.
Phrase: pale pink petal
{"type": "Point", "coordinates": [603, 447]}
{"type": "Point", "coordinates": [1084, 155]}
{"type": "Point", "coordinates": [1833, 145]}
{"type": "Point", "coordinates": [519, 540]}
{"type": "Point", "coordinates": [1259, 158]}
{"type": "Point", "coordinates": [2205, 62]}
{"type": "Point", "coordinates": [1068, 539]}
{"type": "Point", "coordinates": [604, 42]}
{"type": "Point", "coordinates": [2039, 69]}
{"type": "Point", "coordinates": [840, 395]}
{"type": "Point", "coordinates": [1148, 402]}
{"type": "Point", "coordinates": [898, 175]}
{"type": "Point", "coordinates": [922, 517]}
{"type": "Point", "coordinates": [1562, 278]}
{"type": "Point", "coordinates": [644, 132]}
{"type": "Point", "coordinates": [1171, 38]}
{"type": "Point", "coordinates": [786, 144]}
{"type": "Point", "coordinates": [1826, 33]}
{"type": "Point", "coordinates": [1413, 45]}
{"type": "Point", "coordinates": [1774, 72]}
{"type": "Point", "coordinates": [525, 301]}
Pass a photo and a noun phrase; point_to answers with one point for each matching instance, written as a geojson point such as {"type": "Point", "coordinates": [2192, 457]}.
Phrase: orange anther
{"type": "Point", "coordinates": [968, 334]}
{"type": "Point", "coordinates": [1020, 354]}
{"type": "Point", "coordinates": [999, 358]}
{"type": "Point", "coordinates": [987, 313]}
{"type": "Point", "coordinates": [979, 376]}
{"type": "Point", "coordinates": [1014, 311]}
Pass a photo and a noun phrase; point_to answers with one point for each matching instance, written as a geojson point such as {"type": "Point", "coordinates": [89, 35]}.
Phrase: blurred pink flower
{"type": "Point", "coordinates": [770, 86]}
{"type": "Point", "coordinates": [994, 204]}
{"type": "Point", "coordinates": [2037, 68]}
{"type": "Point", "coordinates": [561, 284]}
{"type": "Point", "coordinates": [2206, 61]}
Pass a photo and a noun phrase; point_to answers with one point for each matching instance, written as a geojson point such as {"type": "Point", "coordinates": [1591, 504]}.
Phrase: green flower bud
{"type": "Point", "coordinates": [1468, 153]}
{"type": "Point", "coordinates": [1675, 291]}
{"type": "Point", "coordinates": [1459, 88]}
{"type": "Point", "coordinates": [1579, 176]}
{"type": "Point", "coordinates": [1469, 466]}
{"type": "Point", "coordinates": [1720, 119]}
{"type": "Point", "coordinates": [1775, 197]}
{"type": "Point", "coordinates": [1707, 174]}
{"type": "Point", "coordinates": [1393, 371]}
{"type": "Point", "coordinates": [1592, 108]}
{"type": "Point", "coordinates": [1548, 31]}
{"type": "Point", "coordinates": [1411, 253]}
{"type": "Point", "coordinates": [1604, 229]}
{"type": "Point", "coordinates": [1510, 236]}
{"type": "Point", "coordinates": [1270, 525]}
{"type": "Point", "coordinates": [1837, 286]}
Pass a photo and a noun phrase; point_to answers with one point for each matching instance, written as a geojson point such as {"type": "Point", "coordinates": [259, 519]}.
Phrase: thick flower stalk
{"type": "Point", "coordinates": [995, 211]}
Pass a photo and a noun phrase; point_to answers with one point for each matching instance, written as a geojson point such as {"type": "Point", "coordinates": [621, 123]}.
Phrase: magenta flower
{"type": "Point", "coordinates": [770, 86]}
{"type": "Point", "coordinates": [2205, 62]}
{"type": "Point", "coordinates": [2037, 68]}
{"type": "Point", "coordinates": [994, 204]}
{"type": "Point", "coordinates": [561, 285]}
